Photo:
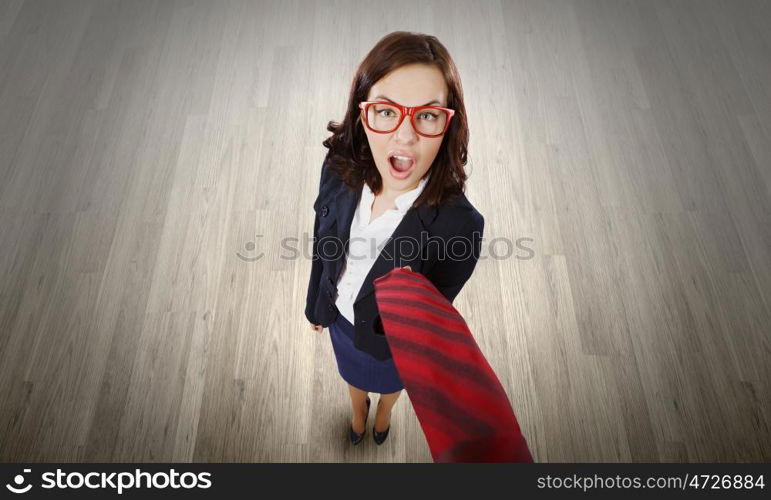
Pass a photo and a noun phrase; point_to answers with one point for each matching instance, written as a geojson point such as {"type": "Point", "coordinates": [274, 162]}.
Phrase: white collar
{"type": "Point", "coordinates": [403, 202]}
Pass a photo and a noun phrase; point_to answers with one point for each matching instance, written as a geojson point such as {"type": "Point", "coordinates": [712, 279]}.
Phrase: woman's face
{"type": "Point", "coordinates": [411, 85]}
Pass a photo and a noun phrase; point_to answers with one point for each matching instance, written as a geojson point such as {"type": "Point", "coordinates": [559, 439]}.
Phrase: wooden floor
{"type": "Point", "coordinates": [150, 151]}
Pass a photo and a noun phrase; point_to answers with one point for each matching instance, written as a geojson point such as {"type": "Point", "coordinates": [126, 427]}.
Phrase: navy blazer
{"type": "Point", "coordinates": [448, 266]}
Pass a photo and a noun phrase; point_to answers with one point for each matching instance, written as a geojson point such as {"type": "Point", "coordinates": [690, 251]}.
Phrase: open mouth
{"type": "Point", "coordinates": [401, 166]}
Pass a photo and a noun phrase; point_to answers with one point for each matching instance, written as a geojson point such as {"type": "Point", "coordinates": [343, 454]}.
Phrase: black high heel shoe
{"type": "Point", "coordinates": [379, 437]}
{"type": "Point", "coordinates": [355, 437]}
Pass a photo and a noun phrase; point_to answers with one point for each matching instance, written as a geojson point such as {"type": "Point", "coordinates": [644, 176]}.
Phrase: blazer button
{"type": "Point", "coordinates": [324, 211]}
{"type": "Point", "coordinates": [330, 307]}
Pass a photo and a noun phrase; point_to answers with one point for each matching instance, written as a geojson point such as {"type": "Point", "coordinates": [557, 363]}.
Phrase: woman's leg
{"type": "Point", "coordinates": [383, 415]}
{"type": "Point", "coordinates": [359, 405]}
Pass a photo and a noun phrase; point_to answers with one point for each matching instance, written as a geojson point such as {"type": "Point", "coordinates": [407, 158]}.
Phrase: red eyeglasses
{"type": "Point", "coordinates": [384, 117]}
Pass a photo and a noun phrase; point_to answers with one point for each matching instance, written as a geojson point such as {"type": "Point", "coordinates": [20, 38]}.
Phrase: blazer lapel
{"type": "Point", "coordinates": [412, 224]}
{"type": "Point", "coordinates": [345, 207]}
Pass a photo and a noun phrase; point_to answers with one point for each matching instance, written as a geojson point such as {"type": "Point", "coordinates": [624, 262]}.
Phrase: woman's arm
{"type": "Point", "coordinates": [455, 267]}
{"type": "Point", "coordinates": [313, 282]}
{"type": "Point", "coordinates": [316, 268]}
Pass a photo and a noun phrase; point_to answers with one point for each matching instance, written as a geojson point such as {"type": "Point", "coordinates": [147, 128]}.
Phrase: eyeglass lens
{"type": "Point", "coordinates": [384, 118]}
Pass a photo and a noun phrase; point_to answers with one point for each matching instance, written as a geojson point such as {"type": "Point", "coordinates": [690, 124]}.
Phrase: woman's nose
{"type": "Point", "coordinates": [406, 132]}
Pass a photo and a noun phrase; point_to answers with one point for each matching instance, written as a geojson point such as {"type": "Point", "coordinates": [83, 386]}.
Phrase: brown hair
{"type": "Point", "coordinates": [349, 153]}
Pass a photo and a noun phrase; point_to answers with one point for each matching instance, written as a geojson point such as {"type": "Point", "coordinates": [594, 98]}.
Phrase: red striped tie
{"type": "Point", "coordinates": [459, 401]}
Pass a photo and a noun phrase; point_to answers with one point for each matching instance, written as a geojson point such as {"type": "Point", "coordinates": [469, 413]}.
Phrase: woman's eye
{"type": "Point", "coordinates": [430, 116]}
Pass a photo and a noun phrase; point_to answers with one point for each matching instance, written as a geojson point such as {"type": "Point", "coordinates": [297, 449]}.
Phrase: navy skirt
{"type": "Point", "coordinates": [359, 368]}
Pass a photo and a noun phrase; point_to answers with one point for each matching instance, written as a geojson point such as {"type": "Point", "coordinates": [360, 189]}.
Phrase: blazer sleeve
{"type": "Point", "coordinates": [316, 266]}
{"type": "Point", "coordinates": [313, 282]}
{"type": "Point", "coordinates": [450, 274]}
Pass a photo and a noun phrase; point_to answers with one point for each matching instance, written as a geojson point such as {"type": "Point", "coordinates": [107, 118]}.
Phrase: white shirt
{"type": "Point", "coordinates": [366, 241]}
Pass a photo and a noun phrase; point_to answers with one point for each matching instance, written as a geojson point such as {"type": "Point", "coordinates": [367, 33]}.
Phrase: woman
{"type": "Point", "coordinates": [394, 173]}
